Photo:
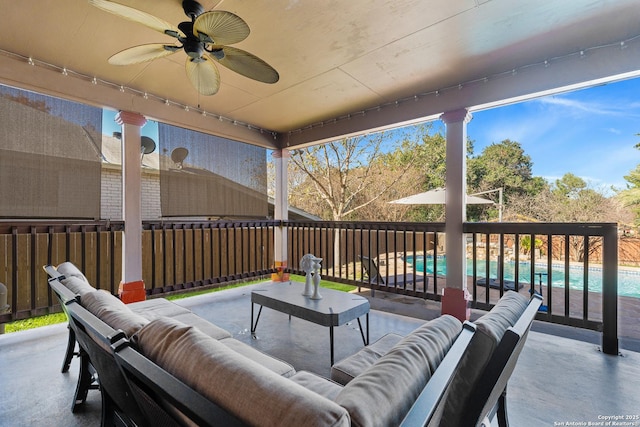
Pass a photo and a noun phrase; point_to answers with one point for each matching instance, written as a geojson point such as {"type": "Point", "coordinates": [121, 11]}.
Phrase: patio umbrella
{"type": "Point", "coordinates": [436, 197]}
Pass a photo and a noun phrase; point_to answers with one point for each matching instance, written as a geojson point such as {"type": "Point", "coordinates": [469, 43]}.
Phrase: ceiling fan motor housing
{"type": "Point", "coordinates": [192, 45]}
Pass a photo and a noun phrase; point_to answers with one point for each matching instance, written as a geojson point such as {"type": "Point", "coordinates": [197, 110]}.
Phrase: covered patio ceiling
{"type": "Point", "coordinates": [346, 67]}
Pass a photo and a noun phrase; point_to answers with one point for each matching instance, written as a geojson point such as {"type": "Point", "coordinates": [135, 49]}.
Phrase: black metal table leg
{"type": "Point", "coordinates": [364, 340]}
{"type": "Point", "coordinates": [331, 339]}
{"type": "Point", "coordinates": [254, 325]}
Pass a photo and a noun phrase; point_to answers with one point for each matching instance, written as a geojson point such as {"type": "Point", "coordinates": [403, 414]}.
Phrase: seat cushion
{"type": "Point", "coordinates": [384, 393]}
{"type": "Point", "coordinates": [276, 365]}
{"type": "Point", "coordinates": [354, 365]}
{"type": "Point", "coordinates": [157, 307]}
{"type": "Point", "coordinates": [256, 395]}
{"type": "Point", "coordinates": [316, 383]}
{"type": "Point", "coordinates": [490, 329]}
{"type": "Point", "coordinates": [161, 307]}
{"type": "Point", "coordinates": [113, 312]}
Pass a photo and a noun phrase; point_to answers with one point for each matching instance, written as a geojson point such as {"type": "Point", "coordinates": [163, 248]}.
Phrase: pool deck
{"type": "Point", "coordinates": [628, 307]}
{"type": "Point", "coordinates": [561, 375]}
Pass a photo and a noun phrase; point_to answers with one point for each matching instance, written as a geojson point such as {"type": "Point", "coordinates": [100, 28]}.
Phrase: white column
{"type": "Point", "coordinates": [132, 286]}
{"type": "Point", "coordinates": [281, 158]}
{"type": "Point", "coordinates": [454, 300]}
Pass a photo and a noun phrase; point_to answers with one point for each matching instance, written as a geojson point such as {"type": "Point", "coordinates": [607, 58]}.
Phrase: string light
{"type": "Point", "coordinates": [122, 88]}
{"type": "Point", "coordinates": [623, 44]}
{"type": "Point", "coordinates": [514, 71]}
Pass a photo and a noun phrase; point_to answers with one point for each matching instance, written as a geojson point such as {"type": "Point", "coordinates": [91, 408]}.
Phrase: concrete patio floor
{"type": "Point", "coordinates": [561, 377]}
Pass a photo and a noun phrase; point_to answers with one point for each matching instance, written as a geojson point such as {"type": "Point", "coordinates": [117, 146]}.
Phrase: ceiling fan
{"type": "Point", "coordinates": [205, 39]}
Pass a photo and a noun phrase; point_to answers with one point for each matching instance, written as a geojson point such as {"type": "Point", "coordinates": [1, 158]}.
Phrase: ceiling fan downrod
{"type": "Point", "coordinates": [192, 9]}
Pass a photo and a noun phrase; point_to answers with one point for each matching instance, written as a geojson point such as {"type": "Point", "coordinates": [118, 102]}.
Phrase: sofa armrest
{"type": "Point", "coordinates": [426, 408]}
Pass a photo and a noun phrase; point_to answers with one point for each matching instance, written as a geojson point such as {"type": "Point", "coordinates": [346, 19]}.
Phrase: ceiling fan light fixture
{"type": "Point", "coordinates": [218, 54]}
{"type": "Point", "coordinates": [193, 48]}
{"type": "Point", "coordinates": [205, 38]}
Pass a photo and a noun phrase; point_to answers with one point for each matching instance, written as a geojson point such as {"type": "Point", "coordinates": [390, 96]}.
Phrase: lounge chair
{"type": "Point", "coordinates": [509, 285]}
{"type": "Point", "coordinates": [398, 280]}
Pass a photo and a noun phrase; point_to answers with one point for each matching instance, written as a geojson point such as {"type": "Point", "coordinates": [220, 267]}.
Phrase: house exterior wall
{"type": "Point", "coordinates": [111, 194]}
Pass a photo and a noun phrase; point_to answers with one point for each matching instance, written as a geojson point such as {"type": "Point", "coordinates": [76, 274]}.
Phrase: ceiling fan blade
{"type": "Point", "coordinates": [245, 63]}
{"type": "Point", "coordinates": [204, 76]}
{"type": "Point", "coordinates": [138, 16]}
{"type": "Point", "coordinates": [142, 53]}
{"type": "Point", "coordinates": [220, 27]}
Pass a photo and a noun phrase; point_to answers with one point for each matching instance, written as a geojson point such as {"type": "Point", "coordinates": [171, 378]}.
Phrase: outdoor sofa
{"type": "Point", "coordinates": [153, 367]}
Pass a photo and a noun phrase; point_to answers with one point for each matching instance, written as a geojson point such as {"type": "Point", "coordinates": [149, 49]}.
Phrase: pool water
{"type": "Point", "coordinates": [628, 280]}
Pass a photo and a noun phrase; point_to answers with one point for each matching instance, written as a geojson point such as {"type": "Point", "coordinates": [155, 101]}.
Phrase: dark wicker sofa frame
{"type": "Point", "coordinates": [136, 391]}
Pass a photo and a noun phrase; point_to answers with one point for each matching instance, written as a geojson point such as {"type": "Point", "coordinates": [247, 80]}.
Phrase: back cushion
{"type": "Point", "coordinates": [77, 285]}
{"type": "Point", "coordinates": [490, 329]}
{"type": "Point", "coordinates": [383, 394]}
{"type": "Point", "coordinates": [241, 386]}
{"type": "Point", "coordinates": [69, 269]}
{"type": "Point", "coordinates": [113, 312]}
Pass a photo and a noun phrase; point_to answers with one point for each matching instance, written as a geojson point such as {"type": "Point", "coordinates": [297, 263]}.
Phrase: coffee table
{"type": "Point", "coordinates": [334, 309]}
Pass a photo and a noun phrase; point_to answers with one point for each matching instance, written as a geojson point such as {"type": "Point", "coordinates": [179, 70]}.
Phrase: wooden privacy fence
{"type": "Point", "coordinates": [175, 255]}
{"type": "Point", "coordinates": [181, 255]}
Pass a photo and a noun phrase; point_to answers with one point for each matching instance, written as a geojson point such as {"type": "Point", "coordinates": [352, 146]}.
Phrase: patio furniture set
{"type": "Point", "coordinates": [155, 361]}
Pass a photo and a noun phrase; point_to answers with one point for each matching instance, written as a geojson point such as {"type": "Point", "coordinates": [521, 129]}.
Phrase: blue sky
{"type": "Point", "coordinates": [590, 133]}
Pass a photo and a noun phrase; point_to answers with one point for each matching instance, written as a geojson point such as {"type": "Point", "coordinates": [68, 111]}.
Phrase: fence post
{"type": "Point", "coordinates": [4, 307]}
{"type": "Point", "coordinates": [610, 290]}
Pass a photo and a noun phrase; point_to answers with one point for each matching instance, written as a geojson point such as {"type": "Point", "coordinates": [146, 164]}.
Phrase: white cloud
{"type": "Point", "coordinates": [573, 106]}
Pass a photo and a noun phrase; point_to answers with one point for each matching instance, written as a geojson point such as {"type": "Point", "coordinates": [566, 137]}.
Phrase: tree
{"type": "Point", "coordinates": [344, 177]}
{"type": "Point", "coordinates": [570, 199]}
{"type": "Point", "coordinates": [631, 195]}
{"type": "Point", "coordinates": [505, 165]}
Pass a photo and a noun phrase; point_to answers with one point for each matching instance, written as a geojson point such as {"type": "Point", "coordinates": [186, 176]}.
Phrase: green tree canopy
{"type": "Point", "coordinates": [501, 165]}
{"type": "Point", "coordinates": [631, 195]}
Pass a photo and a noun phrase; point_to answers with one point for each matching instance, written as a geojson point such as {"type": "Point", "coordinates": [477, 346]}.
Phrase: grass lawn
{"type": "Point", "coordinates": [51, 319]}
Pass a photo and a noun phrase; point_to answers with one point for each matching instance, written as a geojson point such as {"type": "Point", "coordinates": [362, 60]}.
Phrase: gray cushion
{"type": "Point", "coordinates": [384, 393]}
{"type": "Point", "coordinates": [253, 393]}
{"type": "Point", "coordinates": [113, 312]}
{"type": "Point", "coordinates": [209, 329]}
{"type": "Point", "coordinates": [157, 307]}
{"type": "Point", "coordinates": [69, 269]}
{"type": "Point", "coordinates": [349, 368]}
{"type": "Point", "coordinates": [77, 285]}
{"type": "Point", "coordinates": [276, 365]}
{"type": "Point", "coordinates": [160, 307]}
{"type": "Point", "coordinates": [316, 383]}
{"type": "Point", "coordinates": [504, 315]}
{"type": "Point", "coordinates": [490, 329]}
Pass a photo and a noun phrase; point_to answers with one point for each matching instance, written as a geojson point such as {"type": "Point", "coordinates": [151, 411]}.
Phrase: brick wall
{"type": "Point", "coordinates": [111, 197]}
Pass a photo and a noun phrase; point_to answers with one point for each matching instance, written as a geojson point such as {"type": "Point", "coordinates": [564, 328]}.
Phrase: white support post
{"type": "Point", "coordinates": [455, 295]}
{"type": "Point", "coordinates": [281, 212]}
{"type": "Point", "coordinates": [131, 287]}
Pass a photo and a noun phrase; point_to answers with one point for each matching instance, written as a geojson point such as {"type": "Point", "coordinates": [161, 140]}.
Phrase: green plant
{"type": "Point", "coordinates": [525, 244]}
{"type": "Point", "coordinates": [35, 322]}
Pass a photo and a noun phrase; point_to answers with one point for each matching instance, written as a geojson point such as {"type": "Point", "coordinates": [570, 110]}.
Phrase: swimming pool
{"type": "Point", "coordinates": [628, 280]}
